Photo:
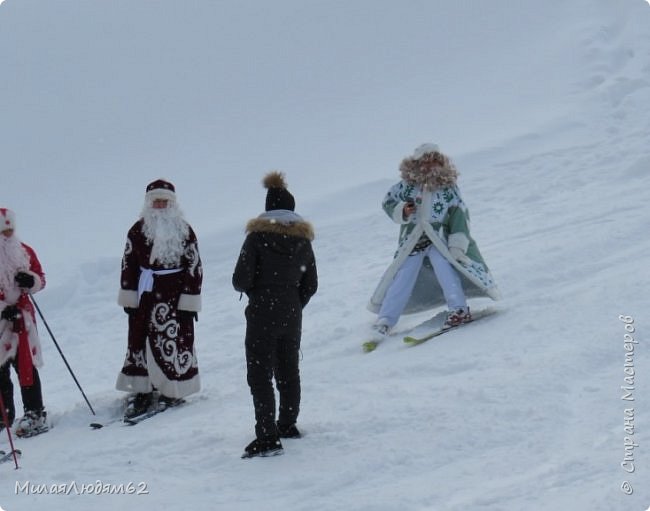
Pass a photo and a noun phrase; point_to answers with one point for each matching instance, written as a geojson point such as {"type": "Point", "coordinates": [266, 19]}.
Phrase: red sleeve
{"type": "Point", "coordinates": [35, 267]}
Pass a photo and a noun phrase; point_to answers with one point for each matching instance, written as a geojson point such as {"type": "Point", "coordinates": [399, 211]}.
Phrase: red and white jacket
{"type": "Point", "coordinates": [20, 336]}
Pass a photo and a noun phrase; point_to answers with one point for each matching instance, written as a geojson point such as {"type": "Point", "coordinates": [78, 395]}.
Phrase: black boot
{"type": "Point", "coordinates": [137, 405]}
{"type": "Point", "coordinates": [288, 431]}
{"type": "Point", "coordinates": [263, 448]}
{"type": "Point", "coordinates": [165, 402]}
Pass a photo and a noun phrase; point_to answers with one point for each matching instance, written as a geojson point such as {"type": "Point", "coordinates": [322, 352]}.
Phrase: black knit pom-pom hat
{"type": "Point", "coordinates": [277, 196]}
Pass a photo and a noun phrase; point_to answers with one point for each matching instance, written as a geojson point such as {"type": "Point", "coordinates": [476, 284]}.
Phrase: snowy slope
{"type": "Point", "coordinates": [520, 411]}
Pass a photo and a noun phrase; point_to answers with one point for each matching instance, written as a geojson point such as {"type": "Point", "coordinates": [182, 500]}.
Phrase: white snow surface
{"type": "Point", "coordinates": [544, 107]}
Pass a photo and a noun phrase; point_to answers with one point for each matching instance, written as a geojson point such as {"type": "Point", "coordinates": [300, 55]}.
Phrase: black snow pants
{"type": "Point", "coordinates": [32, 395]}
{"type": "Point", "coordinates": [273, 351]}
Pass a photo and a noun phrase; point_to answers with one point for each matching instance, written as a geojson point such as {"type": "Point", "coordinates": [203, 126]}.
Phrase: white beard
{"type": "Point", "coordinates": [167, 231]}
{"type": "Point", "coordinates": [13, 258]}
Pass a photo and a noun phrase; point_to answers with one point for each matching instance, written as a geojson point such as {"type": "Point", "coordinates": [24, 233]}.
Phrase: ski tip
{"type": "Point", "coordinates": [96, 425]}
{"type": "Point", "coordinates": [413, 341]}
{"type": "Point", "coordinates": [369, 346]}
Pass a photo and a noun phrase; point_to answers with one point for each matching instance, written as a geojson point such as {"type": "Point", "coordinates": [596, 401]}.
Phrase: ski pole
{"type": "Point", "coordinates": [5, 419]}
{"type": "Point", "coordinates": [61, 353]}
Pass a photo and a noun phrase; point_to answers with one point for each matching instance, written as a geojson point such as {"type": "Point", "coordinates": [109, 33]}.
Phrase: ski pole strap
{"type": "Point", "coordinates": [145, 283]}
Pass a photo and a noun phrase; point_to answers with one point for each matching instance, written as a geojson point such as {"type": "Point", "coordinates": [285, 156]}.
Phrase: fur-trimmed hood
{"type": "Point", "coordinates": [432, 170]}
{"type": "Point", "coordinates": [281, 222]}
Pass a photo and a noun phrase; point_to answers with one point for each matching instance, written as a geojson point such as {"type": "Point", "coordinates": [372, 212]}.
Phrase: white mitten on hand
{"type": "Point", "coordinates": [459, 255]}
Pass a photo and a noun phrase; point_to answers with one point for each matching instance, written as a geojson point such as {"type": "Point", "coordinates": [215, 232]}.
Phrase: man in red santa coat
{"type": "Point", "coordinates": [161, 293]}
{"type": "Point", "coordinates": [21, 274]}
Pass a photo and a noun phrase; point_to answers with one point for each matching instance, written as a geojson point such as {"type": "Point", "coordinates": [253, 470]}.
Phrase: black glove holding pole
{"type": "Point", "coordinates": [10, 313]}
{"type": "Point", "coordinates": [24, 280]}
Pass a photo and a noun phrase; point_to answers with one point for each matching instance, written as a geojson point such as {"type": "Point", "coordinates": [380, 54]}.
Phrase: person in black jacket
{"type": "Point", "coordinates": [277, 270]}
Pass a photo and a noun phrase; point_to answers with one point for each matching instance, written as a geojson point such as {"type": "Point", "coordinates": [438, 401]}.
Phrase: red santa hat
{"type": "Point", "coordinates": [7, 219]}
{"type": "Point", "coordinates": [160, 189]}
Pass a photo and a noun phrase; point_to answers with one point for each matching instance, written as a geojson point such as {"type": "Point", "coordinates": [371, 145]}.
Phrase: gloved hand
{"type": "Point", "coordinates": [10, 313]}
{"type": "Point", "coordinates": [24, 280]}
{"type": "Point", "coordinates": [409, 209]}
{"type": "Point", "coordinates": [188, 315]}
{"type": "Point", "coordinates": [459, 255]}
{"type": "Point", "coordinates": [130, 310]}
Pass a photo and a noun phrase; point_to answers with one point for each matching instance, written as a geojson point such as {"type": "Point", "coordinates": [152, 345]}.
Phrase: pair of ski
{"type": "Point", "coordinates": [137, 419]}
{"type": "Point", "coordinates": [427, 330]}
{"type": "Point", "coordinates": [132, 421]}
{"type": "Point", "coordinates": [7, 456]}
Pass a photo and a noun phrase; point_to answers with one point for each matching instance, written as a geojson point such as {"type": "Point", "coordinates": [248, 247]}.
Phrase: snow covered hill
{"type": "Point", "coordinates": [544, 107]}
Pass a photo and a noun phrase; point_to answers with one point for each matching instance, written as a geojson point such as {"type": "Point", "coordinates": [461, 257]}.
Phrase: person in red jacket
{"type": "Point", "coordinates": [21, 274]}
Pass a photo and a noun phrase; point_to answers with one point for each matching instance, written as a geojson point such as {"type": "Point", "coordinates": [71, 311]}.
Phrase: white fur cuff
{"type": "Point", "coordinates": [398, 214]}
{"type": "Point", "coordinates": [38, 282]}
{"type": "Point", "coordinates": [190, 303]}
{"type": "Point", "coordinates": [127, 298]}
{"type": "Point", "coordinates": [160, 193]}
{"type": "Point", "coordinates": [458, 240]}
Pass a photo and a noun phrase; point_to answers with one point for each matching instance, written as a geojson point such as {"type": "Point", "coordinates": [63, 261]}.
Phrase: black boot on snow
{"type": "Point", "coordinates": [263, 448]}
{"type": "Point", "coordinates": [288, 431]}
{"type": "Point", "coordinates": [165, 402]}
{"type": "Point", "coordinates": [137, 405]}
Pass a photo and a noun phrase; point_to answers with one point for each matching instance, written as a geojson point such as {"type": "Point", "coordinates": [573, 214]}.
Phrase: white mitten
{"type": "Point", "coordinates": [459, 255]}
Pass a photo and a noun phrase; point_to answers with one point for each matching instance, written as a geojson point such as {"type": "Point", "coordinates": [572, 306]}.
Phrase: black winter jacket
{"type": "Point", "coordinates": [276, 267]}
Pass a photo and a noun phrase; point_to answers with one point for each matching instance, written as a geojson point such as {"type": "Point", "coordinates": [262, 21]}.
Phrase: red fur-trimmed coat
{"type": "Point", "coordinates": [160, 350]}
{"type": "Point", "coordinates": [22, 334]}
